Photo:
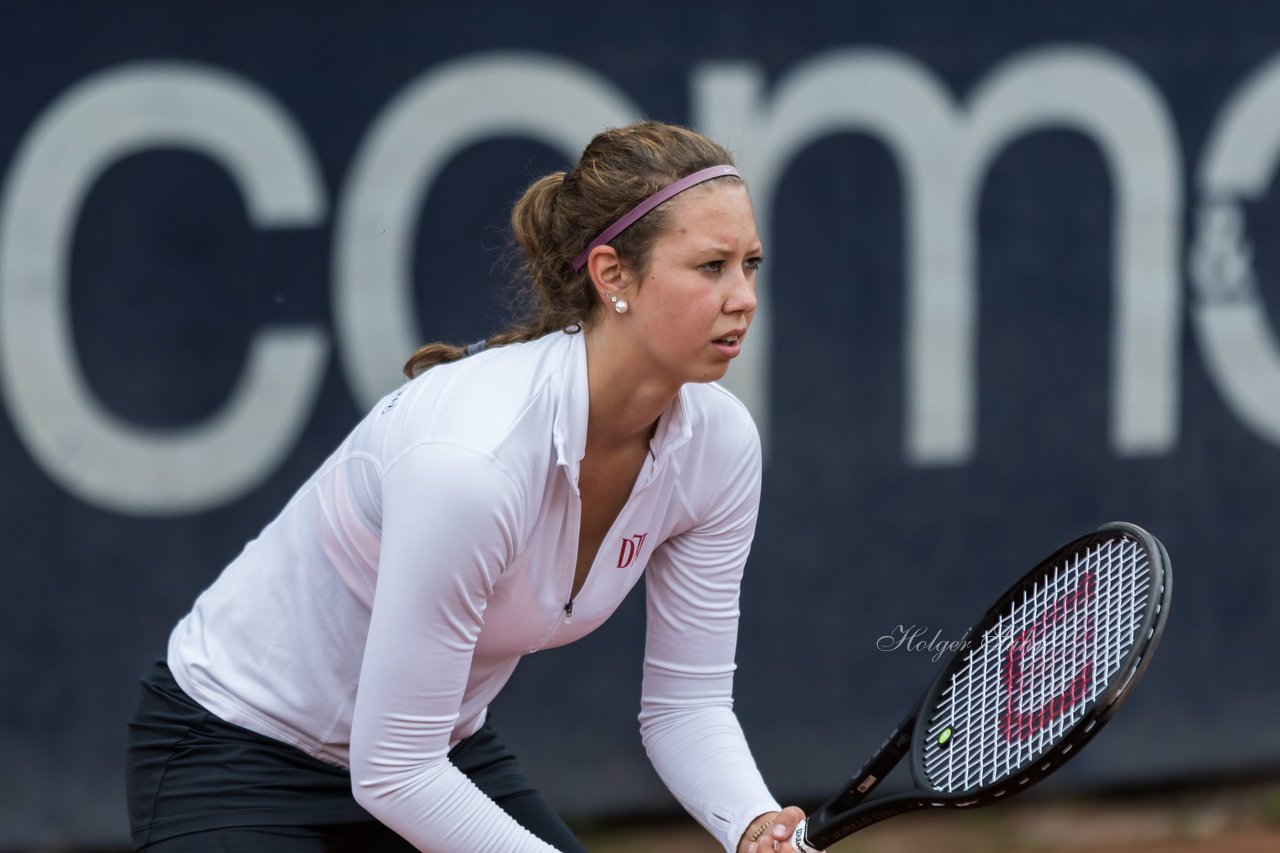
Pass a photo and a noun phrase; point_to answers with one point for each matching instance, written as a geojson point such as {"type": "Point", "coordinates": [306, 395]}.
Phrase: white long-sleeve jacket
{"type": "Point", "coordinates": [437, 545]}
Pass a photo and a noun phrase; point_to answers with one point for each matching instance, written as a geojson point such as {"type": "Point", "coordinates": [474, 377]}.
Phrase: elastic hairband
{"type": "Point", "coordinates": [630, 217]}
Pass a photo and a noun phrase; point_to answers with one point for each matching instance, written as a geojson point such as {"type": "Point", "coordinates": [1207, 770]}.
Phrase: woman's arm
{"type": "Point", "coordinates": [449, 525]}
{"type": "Point", "coordinates": [687, 723]}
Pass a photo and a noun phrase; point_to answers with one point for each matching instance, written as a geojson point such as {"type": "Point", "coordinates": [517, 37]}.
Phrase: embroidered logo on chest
{"type": "Point", "coordinates": [630, 549]}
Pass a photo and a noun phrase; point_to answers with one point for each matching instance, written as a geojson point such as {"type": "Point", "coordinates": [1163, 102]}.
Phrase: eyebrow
{"type": "Point", "coordinates": [758, 249]}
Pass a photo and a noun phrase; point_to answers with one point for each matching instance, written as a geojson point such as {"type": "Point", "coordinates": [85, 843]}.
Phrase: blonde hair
{"type": "Point", "coordinates": [560, 213]}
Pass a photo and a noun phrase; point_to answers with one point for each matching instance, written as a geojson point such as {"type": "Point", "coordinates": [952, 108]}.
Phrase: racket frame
{"type": "Point", "coordinates": [846, 813]}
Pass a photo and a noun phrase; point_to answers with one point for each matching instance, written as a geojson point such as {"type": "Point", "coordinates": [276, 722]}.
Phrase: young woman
{"type": "Point", "coordinates": [329, 690]}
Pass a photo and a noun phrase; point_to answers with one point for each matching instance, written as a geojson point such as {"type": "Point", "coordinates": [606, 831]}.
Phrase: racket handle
{"type": "Point", "coordinates": [871, 774]}
{"type": "Point", "coordinates": [800, 841]}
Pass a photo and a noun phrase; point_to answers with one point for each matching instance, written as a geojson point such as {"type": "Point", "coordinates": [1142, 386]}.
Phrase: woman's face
{"type": "Point", "coordinates": [692, 304]}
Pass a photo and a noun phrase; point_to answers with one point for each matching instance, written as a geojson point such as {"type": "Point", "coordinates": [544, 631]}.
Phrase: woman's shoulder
{"type": "Point", "coordinates": [487, 402]}
{"type": "Point", "coordinates": [720, 469]}
{"type": "Point", "coordinates": [715, 413]}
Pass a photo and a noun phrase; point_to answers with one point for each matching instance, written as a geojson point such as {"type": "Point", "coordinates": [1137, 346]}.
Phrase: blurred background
{"type": "Point", "coordinates": [1020, 281]}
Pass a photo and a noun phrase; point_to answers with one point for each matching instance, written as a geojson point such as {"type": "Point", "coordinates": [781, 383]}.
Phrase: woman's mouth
{"type": "Point", "coordinates": [729, 345]}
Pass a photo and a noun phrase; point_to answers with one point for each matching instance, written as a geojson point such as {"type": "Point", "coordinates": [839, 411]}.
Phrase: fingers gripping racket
{"type": "Point", "coordinates": [1033, 681]}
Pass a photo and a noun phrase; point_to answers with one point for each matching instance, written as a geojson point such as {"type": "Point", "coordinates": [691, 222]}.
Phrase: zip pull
{"type": "Point", "coordinates": [568, 611]}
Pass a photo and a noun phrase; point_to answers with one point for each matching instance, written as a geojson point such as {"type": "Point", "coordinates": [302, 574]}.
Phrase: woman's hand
{"type": "Point", "coordinates": [774, 832]}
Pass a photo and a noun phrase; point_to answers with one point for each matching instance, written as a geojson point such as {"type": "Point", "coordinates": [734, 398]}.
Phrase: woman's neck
{"type": "Point", "coordinates": [625, 404]}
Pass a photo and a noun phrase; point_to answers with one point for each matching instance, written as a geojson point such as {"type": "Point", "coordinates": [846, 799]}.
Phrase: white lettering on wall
{"type": "Point", "coordinates": [1230, 321]}
{"type": "Point", "coordinates": [943, 149]}
{"type": "Point", "coordinates": [944, 156]}
{"type": "Point", "coordinates": [85, 448]}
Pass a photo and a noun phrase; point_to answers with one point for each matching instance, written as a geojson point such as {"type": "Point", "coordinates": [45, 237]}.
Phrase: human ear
{"type": "Point", "coordinates": [606, 270]}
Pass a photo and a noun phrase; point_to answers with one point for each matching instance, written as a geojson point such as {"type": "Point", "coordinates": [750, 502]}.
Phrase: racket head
{"type": "Point", "coordinates": [1044, 669]}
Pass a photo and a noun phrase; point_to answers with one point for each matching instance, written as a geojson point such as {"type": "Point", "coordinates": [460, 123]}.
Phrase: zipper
{"type": "Point", "coordinates": [639, 487]}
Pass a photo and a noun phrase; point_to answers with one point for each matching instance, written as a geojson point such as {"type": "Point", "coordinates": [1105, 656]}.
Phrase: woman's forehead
{"type": "Point", "coordinates": [720, 210]}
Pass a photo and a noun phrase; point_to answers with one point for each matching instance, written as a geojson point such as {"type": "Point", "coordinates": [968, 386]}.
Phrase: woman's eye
{"type": "Point", "coordinates": [753, 263]}
{"type": "Point", "coordinates": [712, 266]}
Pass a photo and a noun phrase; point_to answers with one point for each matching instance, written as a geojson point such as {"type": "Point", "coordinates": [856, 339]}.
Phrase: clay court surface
{"type": "Point", "coordinates": [1224, 820]}
{"type": "Point", "coordinates": [1237, 818]}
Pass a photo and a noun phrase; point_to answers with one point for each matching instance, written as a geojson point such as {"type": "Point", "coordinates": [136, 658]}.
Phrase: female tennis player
{"type": "Point", "coordinates": [329, 690]}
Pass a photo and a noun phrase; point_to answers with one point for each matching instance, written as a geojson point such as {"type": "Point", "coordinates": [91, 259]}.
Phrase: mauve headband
{"type": "Point", "coordinates": [630, 217]}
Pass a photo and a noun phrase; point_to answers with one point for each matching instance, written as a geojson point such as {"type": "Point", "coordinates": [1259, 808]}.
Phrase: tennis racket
{"type": "Point", "coordinates": [1031, 683]}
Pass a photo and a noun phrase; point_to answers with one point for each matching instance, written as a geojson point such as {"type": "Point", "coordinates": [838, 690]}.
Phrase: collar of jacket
{"type": "Point", "coordinates": [570, 431]}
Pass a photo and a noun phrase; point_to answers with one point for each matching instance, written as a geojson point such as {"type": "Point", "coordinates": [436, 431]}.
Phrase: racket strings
{"type": "Point", "coordinates": [1031, 676]}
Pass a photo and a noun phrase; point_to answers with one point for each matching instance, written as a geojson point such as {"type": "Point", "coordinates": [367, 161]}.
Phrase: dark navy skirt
{"type": "Point", "coordinates": [197, 783]}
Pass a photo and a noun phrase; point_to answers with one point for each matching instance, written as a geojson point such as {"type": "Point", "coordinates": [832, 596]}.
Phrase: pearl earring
{"type": "Point", "coordinates": [619, 305]}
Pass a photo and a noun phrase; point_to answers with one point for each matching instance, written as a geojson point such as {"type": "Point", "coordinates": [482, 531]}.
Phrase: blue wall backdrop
{"type": "Point", "coordinates": [1021, 280]}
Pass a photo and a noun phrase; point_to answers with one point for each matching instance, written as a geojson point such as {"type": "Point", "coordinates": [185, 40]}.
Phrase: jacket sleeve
{"type": "Point", "coordinates": [686, 719]}
{"type": "Point", "coordinates": [449, 526]}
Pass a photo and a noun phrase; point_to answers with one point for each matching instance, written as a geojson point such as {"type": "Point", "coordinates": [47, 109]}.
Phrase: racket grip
{"type": "Point", "coordinates": [800, 841]}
